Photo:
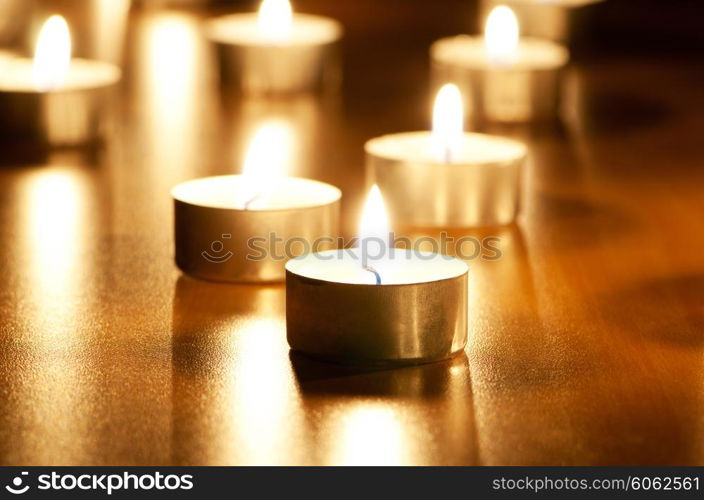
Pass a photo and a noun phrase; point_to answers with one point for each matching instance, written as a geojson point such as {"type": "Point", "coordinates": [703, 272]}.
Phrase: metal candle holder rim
{"type": "Point", "coordinates": [369, 149]}
{"type": "Point", "coordinates": [292, 262]}
{"type": "Point", "coordinates": [113, 77]}
{"type": "Point", "coordinates": [211, 32]}
{"type": "Point", "coordinates": [184, 184]}
{"type": "Point", "coordinates": [564, 55]}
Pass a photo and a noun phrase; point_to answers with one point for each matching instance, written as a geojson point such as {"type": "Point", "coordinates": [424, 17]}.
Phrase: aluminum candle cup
{"type": "Point", "coordinates": [72, 114]}
{"type": "Point", "coordinates": [479, 187]}
{"type": "Point", "coordinates": [306, 58]}
{"type": "Point", "coordinates": [418, 314]}
{"type": "Point", "coordinates": [218, 239]}
{"type": "Point", "coordinates": [549, 19]}
{"type": "Point", "coordinates": [102, 23]}
{"type": "Point", "coordinates": [528, 89]}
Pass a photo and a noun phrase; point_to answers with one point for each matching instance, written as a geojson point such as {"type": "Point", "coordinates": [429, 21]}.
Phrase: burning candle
{"type": "Point", "coordinates": [447, 177]}
{"type": "Point", "coordinates": [376, 304]}
{"type": "Point", "coordinates": [242, 228]}
{"type": "Point", "coordinates": [276, 50]}
{"type": "Point", "coordinates": [54, 99]}
{"type": "Point", "coordinates": [551, 19]}
{"type": "Point", "coordinates": [507, 78]}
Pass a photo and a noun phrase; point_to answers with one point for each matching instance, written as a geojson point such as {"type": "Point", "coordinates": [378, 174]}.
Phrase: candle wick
{"type": "Point", "coordinates": [251, 200]}
{"type": "Point", "coordinates": [376, 274]}
{"type": "Point", "coordinates": [448, 154]}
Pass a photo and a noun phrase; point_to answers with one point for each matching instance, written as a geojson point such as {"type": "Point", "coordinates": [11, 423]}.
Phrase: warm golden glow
{"type": "Point", "coordinates": [261, 411]}
{"type": "Point", "coordinates": [266, 160]}
{"type": "Point", "coordinates": [501, 35]}
{"type": "Point", "coordinates": [275, 18]}
{"type": "Point", "coordinates": [169, 70]}
{"type": "Point", "coordinates": [370, 434]}
{"type": "Point", "coordinates": [52, 56]}
{"type": "Point", "coordinates": [448, 123]}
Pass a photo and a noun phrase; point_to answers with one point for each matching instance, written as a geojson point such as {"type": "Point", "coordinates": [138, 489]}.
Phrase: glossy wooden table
{"type": "Point", "coordinates": [587, 335]}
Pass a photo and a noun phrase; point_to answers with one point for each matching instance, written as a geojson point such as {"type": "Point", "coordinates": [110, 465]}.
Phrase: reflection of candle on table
{"type": "Point", "coordinates": [54, 98]}
{"type": "Point", "coordinates": [241, 228]}
{"type": "Point", "coordinates": [375, 304]}
{"type": "Point", "coordinates": [275, 50]}
{"type": "Point", "coordinates": [447, 177]}
{"type": "Point", "coordinates": [506, 78]}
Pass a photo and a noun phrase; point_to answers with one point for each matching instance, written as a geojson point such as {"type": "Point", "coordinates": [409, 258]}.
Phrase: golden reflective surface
{"type": "Point", "coordinates": [585, 336]}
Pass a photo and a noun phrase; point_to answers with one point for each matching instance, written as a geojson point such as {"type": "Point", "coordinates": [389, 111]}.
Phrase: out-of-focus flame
{"type": "Point", "coordinates": [266, 160]}
{"type": "Point", "coordinates": [501, 35]}
{"type": "Point", "coordinates": [52, 56]}
{"type": "Point", "coordinates": [275, 18]}
{"type": "Point", "coordinates": [448, 123]}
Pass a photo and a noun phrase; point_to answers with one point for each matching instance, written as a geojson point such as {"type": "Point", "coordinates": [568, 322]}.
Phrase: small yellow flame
{"type": "Point", "coordinates": [266, 160]}
{"type": "Point", "coordinates": [52, 56]}
{"type": "Point", "coordinates": [374, 228]}
{"type": "Point", "coordinates": [275, 18]}
{"type": "Point", "coordinates": [448, 123]}
{"type": "Point", "coordinates": [501, 35]}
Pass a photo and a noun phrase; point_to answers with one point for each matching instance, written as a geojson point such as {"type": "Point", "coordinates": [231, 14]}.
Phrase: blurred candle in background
{"type": "Point", "coordinates": [98, 26]}
{"type": "Point", "coordinates": [447, 177]}
{"type": "Point", "coordinates": [276, 50]}
{"type": "Point", "coordinates": [557, 20]}
{"type": "Point", "coordinates": [54, 99]}
{"type": "Point", "coordinates": [504, 77]}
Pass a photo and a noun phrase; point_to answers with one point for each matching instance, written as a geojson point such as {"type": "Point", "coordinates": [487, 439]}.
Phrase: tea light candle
{"type": "Point", "coordinates": [242, 228]}
{"type": "Point", "coordinates": [447, 177]}
{"type": "Point", "coordinates": [506, 78]}
{"type": "Point", "coordinates": [550, 19]}
{"type": "Point", "coordinates": [376, 304]}
{"type": "Point", "coordinates": [276, 51]}
{"type": "Point", "coordinates": [54, 99]}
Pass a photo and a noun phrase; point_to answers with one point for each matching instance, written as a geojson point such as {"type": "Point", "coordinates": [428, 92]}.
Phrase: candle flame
{"type": "Point", "coordinates": [265, 161]}
{"type": "Point", "coordinates": [448, 123]}
{"type": "Point", "coordinates": [275, 18]}
{"type": "Point", "coordinates": [501, 35]}
{"type": "Point", "coordinates": [52, 56]}
{"type": "Point", "coordinates": [373, 233]}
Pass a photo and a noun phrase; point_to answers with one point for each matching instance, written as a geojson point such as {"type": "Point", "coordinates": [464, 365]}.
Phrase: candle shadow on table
{"type": "Point", "coordinates": [608, 113]}
{"type": "Point", "coordinates": [24, 153]}
{"type": "Point", "coordinates": [561, 213]}
{"type": "Point", "coordinates": [680, 295]}
{"type": "Point", "coordinates": [316, 376]}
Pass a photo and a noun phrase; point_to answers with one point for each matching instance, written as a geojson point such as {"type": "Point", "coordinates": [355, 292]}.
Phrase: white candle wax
{"type": "Point", "coordinates": [399, 267]}
{"type": "Point", "coordinates": [83, 74]}
{"type": "Point", "coordinates": [243, 29]}
{"type": "Point", "coordinates": [470, 52]}
{"type": "Point", "coordinates": [232, 192]}
{"type": "Point", "coordinates": [474, 149]}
